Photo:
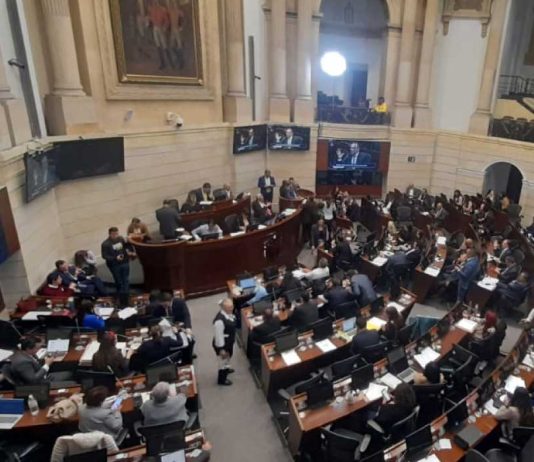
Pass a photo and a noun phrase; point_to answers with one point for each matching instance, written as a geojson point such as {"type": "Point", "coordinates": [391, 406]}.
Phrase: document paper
{"type": "Point", "coordinates": [467, 325]}
{"type": "Point", "coordinates": [325, 345]}
{"type": "Point", "coordinates": [291, 357]}
{"type": "Point", "coordinates": [426, 356]}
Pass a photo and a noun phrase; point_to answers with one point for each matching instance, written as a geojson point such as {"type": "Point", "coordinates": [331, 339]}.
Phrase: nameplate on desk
{"type": "Point", "coordinates": [32, 315]}
{"type": "Point", "coordinates": [431, 271]}
{"type": "Point", "coordinates": [467, 325]}
{"type": "Point", "coordinates": [379, 261]}
{"type": "Point", "coordinates": [206, 202]}
{"type": "Point", "coordinates": [325, 345]}
{"type": "Point", "coordinates": [291, 357]}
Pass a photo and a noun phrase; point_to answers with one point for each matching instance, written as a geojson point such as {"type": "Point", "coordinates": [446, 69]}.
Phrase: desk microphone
{"type": "Point", "coordinates": [117, 379]}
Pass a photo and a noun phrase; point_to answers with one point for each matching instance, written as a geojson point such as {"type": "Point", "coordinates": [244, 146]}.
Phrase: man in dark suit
{"type": "Point", "coordinates": [440, 214]}
{"type": "Point", "coordinates": [511, 271]}
{"type": "Point", "coordinates": [304, 314]}
{"type": "Point", "coordinates": [263, 333]}
{"type": "Point", "coordinates": [168, 219]}
{"type": "Point", "coordinates": [357, 158]}
{"type": "Point", "coordinates": [362, 288]}
{"type": "Point", "coordinates": [512, 293]}
{"type": "Point", "coordinates": [343, 255]}
{"type": "Point", "coordinates": [266, 183]}
{"type": "Point", "coordinates": [292, 141]}
{"type": "Point", "coordinates": [262, 213]}
{"type": "Point", "coordinates": [204, 194]}
{"type": "Point", "coordinates": [364, 338]}
{"type": "Point", "coordinates": [337, 295]}
{"type": "Point", "coordinates": [468, 274]}
{"type": "Point", "coordinates": [506, 250]}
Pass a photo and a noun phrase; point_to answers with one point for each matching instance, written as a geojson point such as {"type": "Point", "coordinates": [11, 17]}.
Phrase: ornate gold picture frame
{"type": "Point", "coordinates": [157, 41]}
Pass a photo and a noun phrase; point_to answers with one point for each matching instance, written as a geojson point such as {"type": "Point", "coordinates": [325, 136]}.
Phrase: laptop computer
{"type": "Point", "coordinates": [349, 326]}
{"type": "Point", "coordinates": [57, 340]}
{"type": "Point", "coordinates": [398, 365]}
{"type": "Point", "coordinates": [285, 342]}
{"type": "Point", "coordinates": [176, 456]}
{"type": "Point", "coordinates": [322, 329]}
{"type": "Point", "coordinates": [11, 411]}
{"type": "Point", "coordinates": [457, 415]}
{"type": "Point", "coordinates": [418, 443]}
{"type": "Point", "coordinates": [362, 377]}
{"type": "Point", "coordinates": [156, 374]}
{"type": "Point", "coordinates": [40, 393]}
{"type": "Point", "coordinates": [247, 283]}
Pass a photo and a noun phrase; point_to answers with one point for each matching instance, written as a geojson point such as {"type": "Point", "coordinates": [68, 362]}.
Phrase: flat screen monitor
{"type": "Point", "coordinates": [419, 440]}
{"type": "Point", "coordinates": [319, 394]}
{"type": "Point", "coordinates": [322, 329]}
{"type": "Point", "coordinates": [40, 173]}
{"type": "Point", "coordinates": [287, 341]}
{"type": "Point", "coordinates": [397, 360]}
{"type": "Point", "coordinates": [288, 138]}
{"type": "Point", "coordinates": [209, 236]}
{"type": "Point", "coordinates": [351, 155]}
{"type": "Point", "coordinates": [40, 392]}
{"type": "Point", "coordinates": [457, 414]}
{"type": "Point", "coordinates": [89, 157]}
{"type": "Point", "coordinates": [349, 324]}
{"type": "Point", "coordinates": [165, 372]}
{"type": "Point", "coordinates": [346, 367]}
{"type": "Point", "coordinates": [259, 307]}
{"type": "Point", "coordinates": [250, 138]}
{"type": "Point", "coordinates": [362, 377]}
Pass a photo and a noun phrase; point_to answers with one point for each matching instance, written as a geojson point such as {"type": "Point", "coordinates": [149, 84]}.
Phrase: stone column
{"type": "Point", "coordinates": [237, 107]}
{"type": "Point", "coordinates": [391, 65]}
{"type": "Point", "coordinates": [278, 101]}
{"type": "Point", "coordinates": [303, 111]}
{"type": "Point", "coordinates": [481, 118]}
{"type": "Point", "coordinates": [14, 122]}
{"type": "Point", "coordinates": [423, 113]}
{"type": "Point", "coordinates": [402, 117]}
{"type": "Point", "coordinates": [67, 108]}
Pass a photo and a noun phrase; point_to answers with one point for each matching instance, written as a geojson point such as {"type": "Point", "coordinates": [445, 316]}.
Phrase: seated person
{"type": "Point", "coordinates": [518, 413]}
{"type": "Point", "coordinates": [108, 356]}
{"type": "Point", "coordinates": [164, 407]}
{"type": "Point", "coordinates": [263, 332]}
{"type": "Point", "coordinates": [225, 193]}
{"type": "Point", "coordinates": [69, 275]}
{"type": "Point", "coordinates": [362, 288]}
{"type": "Point", "coordinates": [209, 228]}
{"type": "Point", "coordinates": [260, 292]}
{"type": "Point", "coordinates": [511, 270]}
{"type": "Point", "coordinates": [158, 347]}
{"type": "Point", "coordinates": [87, 318]}
{"type": "Point", "coordinates": [381, 106]}
{"type": "Point", "coordinates": [487, 325]}
{"type": "Point", "coordinates": [204, 194]}
{"type": "Point", "coordinates": [514, 292]}
{"type": "Point", "coordinates": [155, 307]}
{"type": "Point", "coordinates": [304, 314]}
{"type": "Point", "coordinates": [289, 282]}
{"type": "Point", "coordinates": [337, 295]}
{"type": "Point", "coordinates": [138, 231]}
{"type": "Point", "coordinates": [440, 214]}
{"type": "Point", "coordinates": [320, 235]}
{"type": "Point", "coordinates": [394, 323]}
{"type": "Point", "coordinates": [261, 211]}
{"type": "Point", "coordinates": [286, 192]}
{"type": "Point", "coordinates": [180, 312]}
{"type": "Point", "coordinates": [321, 271]}
{"type": "Point", "coordinates": [94, 415]}
{"type": "Point", "coordinates": [54, 287]}
{"type": "Point", "coordinates": [190, 205]}
{"type": "Point", "coordinates": [89, 284]}
{"type": "Point", "coordinates": [431, 375]}
{"type": "Point", "coordinates": [26, 369]}
{"type": "Point", "coordinates": [364, 338]}
{"type": "Point", "coordinates": [404, 402]}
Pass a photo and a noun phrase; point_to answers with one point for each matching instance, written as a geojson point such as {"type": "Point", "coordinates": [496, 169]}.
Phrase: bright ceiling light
{"type": "Point", "coordinates": [333, 63]}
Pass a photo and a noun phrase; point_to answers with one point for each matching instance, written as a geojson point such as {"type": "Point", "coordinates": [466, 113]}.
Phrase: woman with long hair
{"type": "Point", "coordinates": [394, 323]}
{"type": "Point", "coordinates": [108, 356]}
{"type": "Point", "coordinates": [518, 413]}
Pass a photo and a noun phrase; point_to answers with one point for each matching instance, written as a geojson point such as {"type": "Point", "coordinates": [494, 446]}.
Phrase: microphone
{"type": "Point", "coordinates": [123, 388]}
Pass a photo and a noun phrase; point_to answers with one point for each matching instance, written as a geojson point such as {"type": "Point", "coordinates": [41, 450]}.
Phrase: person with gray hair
{"type": "Point", "coordinates": [163, 407]}
{"type": "Point", "coordinates": [224, 327]}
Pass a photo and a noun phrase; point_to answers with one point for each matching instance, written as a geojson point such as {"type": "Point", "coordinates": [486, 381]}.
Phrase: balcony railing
{"type": "Point", "coordinates": [515, 86]}
{"type": "Point", "coordinates": [515, 129]}
{"type": "Point", "coordinates": [351, 115]}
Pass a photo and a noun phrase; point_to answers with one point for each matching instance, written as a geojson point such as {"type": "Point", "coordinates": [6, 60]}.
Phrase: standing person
{"type": "Point", "coordinates": [117, 252]}
{"type": "Point", "coordinates": [137, 230]}
{"type": "Point", "coordinates": [468, 274]}
{"type": "Point", "coordinates": [224, 327]}
{"type": "Point", "coordinates": [168, 219]}
{"type": "Point", "coordinates": [266, 183]}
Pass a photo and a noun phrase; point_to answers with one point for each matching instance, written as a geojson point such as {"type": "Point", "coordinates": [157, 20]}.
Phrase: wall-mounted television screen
{"type": "Point", "coordinates": [350, 155]}
{"type": "Point", "coordinates": [288, 138]}
{"type": "Point", "coordinates": [41, 173]}
{"type": "Point", "coordinates": [91, 157]}
{"type": "Point", "coordinates": [250, 138]}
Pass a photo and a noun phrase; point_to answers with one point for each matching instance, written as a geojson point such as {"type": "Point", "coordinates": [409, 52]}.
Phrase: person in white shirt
{"type": "Point", "coordinates": [224, 329]}
{"type": "Point", "coordinates": [320, 272]}
{"type": "Point", "coordinates": [209, 228]}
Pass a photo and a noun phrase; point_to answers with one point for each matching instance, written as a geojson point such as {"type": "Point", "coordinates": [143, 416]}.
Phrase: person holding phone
{"type": "Point", "coordinates": [95, 415]}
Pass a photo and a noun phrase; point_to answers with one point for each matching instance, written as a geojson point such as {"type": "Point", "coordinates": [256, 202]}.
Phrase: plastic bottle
{"type": "Point", "coordinates": [33, 406]}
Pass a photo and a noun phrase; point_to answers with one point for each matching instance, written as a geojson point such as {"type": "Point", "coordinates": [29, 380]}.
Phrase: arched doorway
{"type": "Point", "coordinates": [504, 177]}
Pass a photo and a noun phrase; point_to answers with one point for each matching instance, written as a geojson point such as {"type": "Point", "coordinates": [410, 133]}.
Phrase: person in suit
{"type": "Point", "coordinates": [158, 347]}
{"type": "Point", "coordinates": [364, 338]}
{"type": "Point", "coordinates": [168, 219]}
{"type": "Point", "coordinates": [226, 192]}
{"type": "Point", "coordinates": [209, 228]}
{"type": "Point", "coordinates": [117, 252]}
{"type": "Point", "coordinates": [266, 183]}
{"type": "Point", "coordinates": [204, 194]}
{"type": "Point", "coordinates": [440, 214]}
{"type": "Point", "coordinates": [511, 270]}
{"type": "Point", "coordinates": [404, 402]}
{"type": "Point", "coordinates": [304, 314]}
{"type": "Point", "coordinates": [513, 292]}
{"type": "Point", "coordinates": [467, 274]}
{"type": "Point", "coordinates": [93, 416]}
{"type": "Point", "coordinates": [164, 406]}
{"type": "Point", "coordinates": [362, 288]}
{"type": "Point", "coordinates": [25, 368]}
{"type": "Point", "coordinates": [69, 279]}
{"type": "Point", "coordinates": [54, 286]}
{"type": "Point", "coordinates": [292, 141]}
{"type": "Point", "coordinates": [412, 192]}
{"type": "Point", "coordinates": [343, 253]}
{"type": "Point", "coordinates": [224, 331]}
{"type": "Point", "coordinates": [320, 235]}
{"type": "Point", "coordinates": [357, 158]}
{"type": "Point", "coordinates": [180, 312]}
{"type": "Point", "coordinates": [289, 282]}
{"type": "Point", "coordinates": [286, 191]}
{"type": "Point", "coordinates": [336, 295]}
{"type": "Point", "coordinates": [506, 250]}
{"type": "Point", "coordinates": [262, 212]}
{"type": "Point", "coordinates": [263, 332]}
{"type": "Point", "coordinates": [190, 205]}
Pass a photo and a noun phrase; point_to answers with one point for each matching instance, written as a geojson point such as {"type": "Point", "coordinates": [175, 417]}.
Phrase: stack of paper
{"type": "Point", "coordinates": [432, 271]}
{"type": "Point", "coordinates": [291, 357]}
{"type": "Point", "coordinates": [4, 354]}
{"type": "Point", "coordinates": [375, 391]}
{"type": "Point", "coordinates": [442, 240]}
{"type": "Point", "coordinates": [400, 308]}
{"type": "Point", "coordinates": [467, 325]}
{"type": "Point", "coordinates": [379, 261]}
{"type": "Point", "coordinates": [528, 360]}
{"type": "Point", "coordinates": [488, 283]}
{"type": "Point", "coordinates": [57, 345]}
{"type": "Point", "coordinates": [513, 382]}
{"type": "Point", "coordinates": [325, 345]}
{"type": "Point", "coordinates": [89, 352]}
{"type": "Point", "coordinates": [127, 312]}
{"type": "Point", "coordinates": [375, 323]}
{"type": "Point", "coordinates": [104, 311]}
{"type": "Point", "coordinates": [426, 356]}
{"type": "Point", "coordinates": [390, 381]}
{"type": "Point", "coordinates": [237, 233]}
{"type": "Point", "coordinates": [443, 444]}
{"type": "Point", "coordinates": [32, 315]}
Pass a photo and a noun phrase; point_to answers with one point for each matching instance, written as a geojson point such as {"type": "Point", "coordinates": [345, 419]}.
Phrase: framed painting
{"type": "Point", "coordinates": [157, 41]}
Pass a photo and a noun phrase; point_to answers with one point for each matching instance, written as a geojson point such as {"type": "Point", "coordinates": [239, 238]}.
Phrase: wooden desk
{"type": "Point", "coordinates": [424, 282]}
{"type": "Point", "coordinates": [217, 211]}
{"type": "Point", "coordinates": [133, 384]}
{"type": "Point", "coordinates": [203, 267]}
{"type": "Point", "coordinates": [284, 203]}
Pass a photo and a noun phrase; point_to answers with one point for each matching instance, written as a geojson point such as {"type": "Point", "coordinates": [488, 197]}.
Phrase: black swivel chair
{"type": "Point", "coordinates": [404, 215]}
{"type": "Point", "coordinates": [405, 335]}
{"type": "Point", "coordinates": [398, 430]}
{"type": "Point", "coordinates": [343, 445]}
{"type": "Point", "coordinates": [430, 399]}
{"type": "Point", "coordinates": [231, 223]}
{"type": "Point", "coordinates": [163, 438]}
{"type": "Point", "coordinates": [9, 335]}
{"type": "Point", "coordinates": [98, 455]}
{"type": "Point", "coordinates": [375, 353]}
{"type": "Point", "coordinates": [506, 453]}
{"type": "Point", "coordinates": [345, 310]}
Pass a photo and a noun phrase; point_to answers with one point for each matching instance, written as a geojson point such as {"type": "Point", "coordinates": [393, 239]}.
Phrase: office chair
{"type": "Point", "coordinates": [166, 437]}
{"type": "Point", "coordinates": [345, 310]}
{"type": "Point", "coordinates": [375, 353]}
{"type": "Point", "coordinates": [20, 452]}
{"type": "Point", "coordinates": [231, 223]}
{"type": "Point", "coordinates": [405, 335]}
{"type": "Point", "coordinates": [404, 215]}
{"type": "Point", "coordinates": [430, 398]}
{"type": "Point", "coordinates": [398, 430]}
{"type": "Point", "coordinates": [89, 379]}
{"type": "Point", "coordinates": [98, 455]}
{"type": "Point", "coordinates": [505, 454]}
{"type": "Point", "coordinates": [9, 335]}
{"type": "Point", "coordinates": [343, 445]}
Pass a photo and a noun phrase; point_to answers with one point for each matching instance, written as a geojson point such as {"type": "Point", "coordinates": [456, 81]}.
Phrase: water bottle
{"type": "Point", "coordinates": [33, 406]}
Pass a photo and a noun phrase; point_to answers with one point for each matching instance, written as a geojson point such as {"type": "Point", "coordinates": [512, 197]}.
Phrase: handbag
{"type": "Point", "coordinates": [66, 409]}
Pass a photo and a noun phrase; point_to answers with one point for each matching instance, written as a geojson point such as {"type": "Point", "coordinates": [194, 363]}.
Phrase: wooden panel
{"type": "Point", "coordinates": [322, 155]}
{"type": "Point", "coordinates": [7, 224]}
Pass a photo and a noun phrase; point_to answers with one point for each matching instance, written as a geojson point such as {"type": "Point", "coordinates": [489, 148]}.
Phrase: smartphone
{"type": "Point", "coordinates": [117, 403]}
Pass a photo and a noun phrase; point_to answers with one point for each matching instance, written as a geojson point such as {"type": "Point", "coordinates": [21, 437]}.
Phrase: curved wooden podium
{"type": "Point", "coordinates": [218, 211]}
{"type": "Point", "coordinates": [203, 267]}
{"type": "Point", "coordinates": [284, 203]}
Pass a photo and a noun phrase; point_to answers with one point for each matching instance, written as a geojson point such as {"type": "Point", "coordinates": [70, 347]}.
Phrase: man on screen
{"type": "Point", "coordinates": [356, 157]}
{"type": "Point", "coordinates": [292, 141]}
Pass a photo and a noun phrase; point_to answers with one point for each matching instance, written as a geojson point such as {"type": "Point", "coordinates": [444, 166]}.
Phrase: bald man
{"type": "Point", "coordinates": [224, 326]}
